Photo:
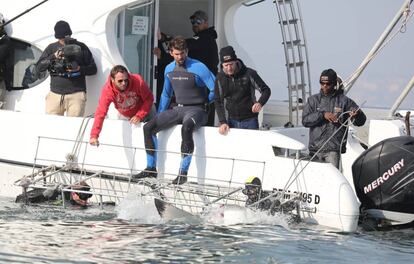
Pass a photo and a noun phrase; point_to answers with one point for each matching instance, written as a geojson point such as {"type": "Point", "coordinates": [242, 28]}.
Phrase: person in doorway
{"type": "Point", "coordinates": [162, 52]}
{"type": "Point", "coordinates": [187, 78]}
{"type": "Point", "coordinates": [235, 92]}
{"type": "Point", "coordinates": [203, 47]}
{"type": "Point", "coordinates": [327, 115]}
{"type": "Point", "coordinates": [131, 97]}
{"type": "Point", "coordinates": [68, 62]}
{"type": "Point", "coordinates": [5, 46]}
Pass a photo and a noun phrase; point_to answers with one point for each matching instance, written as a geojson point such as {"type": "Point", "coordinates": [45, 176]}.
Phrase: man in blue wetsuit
{"type": "Point", "coordinates": [187, 79]}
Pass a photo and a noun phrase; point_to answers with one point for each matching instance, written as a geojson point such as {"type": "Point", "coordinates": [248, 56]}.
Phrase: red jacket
{"type": "Point", "coordinates": [136, 100]}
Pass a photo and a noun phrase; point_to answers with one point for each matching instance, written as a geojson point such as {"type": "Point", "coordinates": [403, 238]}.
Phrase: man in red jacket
{"type": "Point", "coordinates": [131, 96]}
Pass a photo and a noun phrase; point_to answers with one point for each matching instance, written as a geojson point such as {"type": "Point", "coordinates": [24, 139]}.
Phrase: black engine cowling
{"type": "Point", "coordinates": [384, 175]}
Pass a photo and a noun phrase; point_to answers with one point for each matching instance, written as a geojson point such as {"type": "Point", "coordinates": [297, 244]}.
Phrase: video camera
{"type": "Point", "coordinates": [65, 64]}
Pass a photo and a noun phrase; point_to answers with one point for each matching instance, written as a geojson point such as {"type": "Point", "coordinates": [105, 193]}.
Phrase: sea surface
{"type": "Point", "coordinates": [134, 233]}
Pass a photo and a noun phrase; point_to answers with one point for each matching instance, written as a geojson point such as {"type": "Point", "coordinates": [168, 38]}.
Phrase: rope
{"type": "Point", "coordinates": [290, 181]}
{"type": "Point", "coordinates": [403, 28]}
{"type": "Point", "coordinates": [73, 156]}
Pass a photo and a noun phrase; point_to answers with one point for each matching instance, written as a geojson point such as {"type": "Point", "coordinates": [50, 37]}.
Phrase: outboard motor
{"type": "Point", "coordinates": [384, 181]}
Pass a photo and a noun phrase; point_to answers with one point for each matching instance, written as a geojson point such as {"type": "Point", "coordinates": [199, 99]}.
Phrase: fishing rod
{"type": "Point", "coordinates": [21, 14]}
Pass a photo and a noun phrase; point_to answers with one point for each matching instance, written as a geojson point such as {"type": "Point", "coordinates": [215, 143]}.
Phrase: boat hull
{"type": "Point", "coordinates": [43, 140]}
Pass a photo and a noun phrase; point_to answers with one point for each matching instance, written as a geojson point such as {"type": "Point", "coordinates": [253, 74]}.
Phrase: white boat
{"type": "Point", "coordinates": [30, 140]}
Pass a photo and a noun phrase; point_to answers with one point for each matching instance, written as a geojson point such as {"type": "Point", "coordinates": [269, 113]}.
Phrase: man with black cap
{"type": "Point", "coordinates": [327, 115]}
{"type": "Point", "coordinates": [68, 62]}
{"type": "Point", "coordinates": [203, 47]}
{"type": "Point", "coordinates": [235, 89]}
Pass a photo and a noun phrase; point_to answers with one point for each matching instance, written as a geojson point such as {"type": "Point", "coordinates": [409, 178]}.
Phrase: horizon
{"type": "Point", "coordinates": [381, 82]}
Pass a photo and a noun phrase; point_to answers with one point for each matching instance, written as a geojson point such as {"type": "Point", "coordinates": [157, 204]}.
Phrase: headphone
{"type": "Point", "coordinates": [339, 86]}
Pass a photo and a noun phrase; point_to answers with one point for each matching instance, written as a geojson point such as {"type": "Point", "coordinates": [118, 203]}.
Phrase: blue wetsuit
{"type": "Point", "coordinates": [189, 84]}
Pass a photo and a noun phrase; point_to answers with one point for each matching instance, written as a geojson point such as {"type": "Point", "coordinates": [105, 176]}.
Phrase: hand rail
{"type": "Point", "coordinates": [252, 3]}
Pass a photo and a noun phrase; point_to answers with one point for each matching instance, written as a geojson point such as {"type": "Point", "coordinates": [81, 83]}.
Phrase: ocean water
{"type": "Point", "coordinates": [134, 233]}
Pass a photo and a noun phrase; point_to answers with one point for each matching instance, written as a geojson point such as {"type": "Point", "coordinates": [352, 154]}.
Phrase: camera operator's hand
{"type": "Point", "coordinates": [59, 54]}
{"type": "Point", "coordinates": [76, 69]}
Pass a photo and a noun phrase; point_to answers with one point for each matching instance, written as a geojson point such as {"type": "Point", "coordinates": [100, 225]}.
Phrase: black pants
{"type": "Point", "coordinates": [191, 118]}
{"type": "Point", "coordinates": [211, 114]}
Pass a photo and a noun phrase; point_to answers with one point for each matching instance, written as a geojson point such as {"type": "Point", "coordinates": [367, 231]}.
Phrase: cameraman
{"type": "Point", "coordinates": [68, 62]}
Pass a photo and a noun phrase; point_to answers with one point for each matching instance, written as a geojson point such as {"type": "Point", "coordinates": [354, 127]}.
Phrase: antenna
{"type": "Point", "coordinates": [21, 14]}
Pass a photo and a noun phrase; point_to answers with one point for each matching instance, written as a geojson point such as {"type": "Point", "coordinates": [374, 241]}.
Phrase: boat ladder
{"type": "Point", "coordinates": [296, 56]}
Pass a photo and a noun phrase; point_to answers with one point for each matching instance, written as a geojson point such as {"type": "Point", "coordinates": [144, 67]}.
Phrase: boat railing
{"type": "Point", "coordinates": [111, 182]}
{"type": "Point", "coordinates": [123, 159]}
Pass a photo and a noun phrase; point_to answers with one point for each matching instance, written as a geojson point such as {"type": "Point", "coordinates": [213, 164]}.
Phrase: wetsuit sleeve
{"type": "Point", "coordinates": [219, 102]}
{"type": "Point", "coordinates": [100, 113]}
{"type": "Point", "coordinates": [311, 116]}
{"type": "Point", "coordinates": [205, 78]}
{"type": "Point", "coordinates": [146, 97]}
{"type": "Point", "coordinates": [167, 92]}
{"type": "Point", "coordinates": [261, 86]}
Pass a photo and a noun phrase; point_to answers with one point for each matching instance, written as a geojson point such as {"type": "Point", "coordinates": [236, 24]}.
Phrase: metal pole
{"type": "Point", "coordinates": [21, 14]}
{"type": "Point", "coordinates": [401, 98]}
{"type": "Point", "coordinates": [377, 46]}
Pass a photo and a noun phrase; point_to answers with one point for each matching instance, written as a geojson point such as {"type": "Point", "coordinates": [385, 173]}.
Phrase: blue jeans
{"type": "Point", "coordinates": [251, 123]}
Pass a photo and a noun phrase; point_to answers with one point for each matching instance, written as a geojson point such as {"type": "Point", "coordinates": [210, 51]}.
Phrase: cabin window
{"type": "Point", "coordinates": [289, 153]}
{"type": "Point", "coordinates": [20, 69]}
{"type": "Point", "coordinates": [135, 38]}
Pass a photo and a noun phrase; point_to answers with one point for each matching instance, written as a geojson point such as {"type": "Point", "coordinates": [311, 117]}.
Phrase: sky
{"type": "Point", "coordinates": [339, 35]}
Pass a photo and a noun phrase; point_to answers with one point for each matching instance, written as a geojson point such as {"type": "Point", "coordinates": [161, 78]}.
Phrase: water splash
{"type": "Point", "coordinates": [141, 209]}
{"type": "Point", "coordinates": [228, 215]}
{"type": "Point", "coordinates": [137, 208]}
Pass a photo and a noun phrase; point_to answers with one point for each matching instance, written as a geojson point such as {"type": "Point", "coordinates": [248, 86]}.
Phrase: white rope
{"type": "Point", "coordinates": [73, 156]}
{"type": "Point", "coordinates": [290, 181]}
{"type": "Point", "coordinates": [403, 28]}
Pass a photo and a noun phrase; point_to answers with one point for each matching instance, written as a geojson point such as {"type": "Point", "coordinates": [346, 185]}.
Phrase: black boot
{"type": "Point", "coordinates": [181, 178]}
{"type": "Point", "coordinates": [145, 173]}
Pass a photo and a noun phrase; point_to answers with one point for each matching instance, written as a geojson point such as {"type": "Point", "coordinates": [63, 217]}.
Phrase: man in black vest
{"type": "Point", "coordinates": [187, 79]}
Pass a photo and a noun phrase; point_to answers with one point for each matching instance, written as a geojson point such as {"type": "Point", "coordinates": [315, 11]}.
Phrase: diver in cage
{"type": "Point", "coordinates": [54, 195]}
{"type": "Point", "coordinates": [264, 200]}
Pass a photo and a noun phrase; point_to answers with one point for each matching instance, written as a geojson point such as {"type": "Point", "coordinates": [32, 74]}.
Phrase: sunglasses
{"type": "Point", "coordinates": [122, 81]}
{"type": "Point", "coordinates": [325, 83]}
{"type": "Point", "coordinates": [196, 21]}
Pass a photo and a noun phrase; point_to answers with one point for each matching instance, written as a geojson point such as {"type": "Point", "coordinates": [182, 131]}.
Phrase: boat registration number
{"type": "Point", "coordinates": [305, 197]}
